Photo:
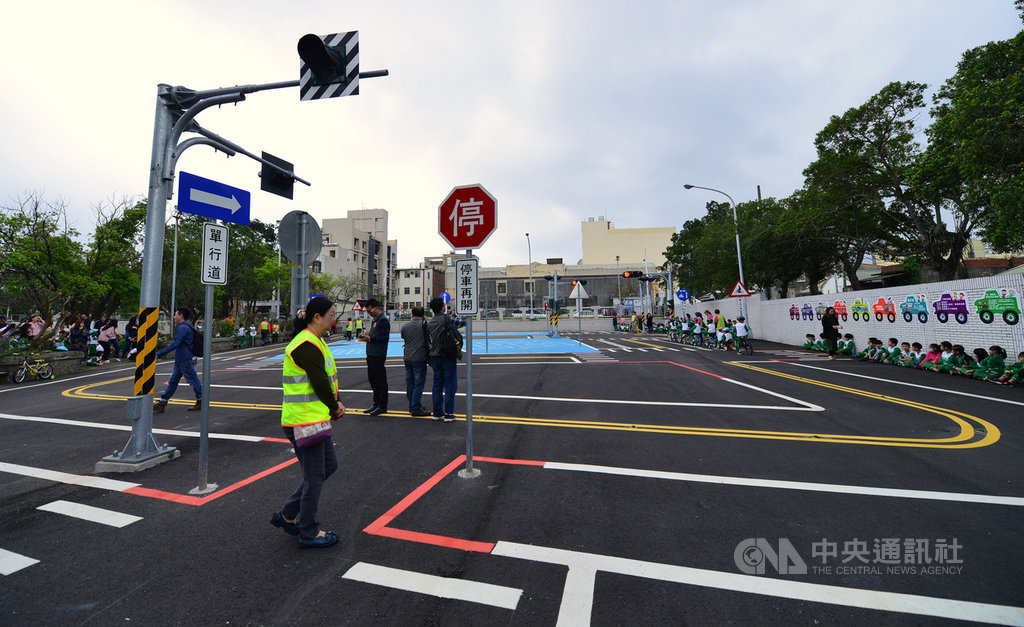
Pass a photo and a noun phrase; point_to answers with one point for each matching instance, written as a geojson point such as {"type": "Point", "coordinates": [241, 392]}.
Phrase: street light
{"type": "Point", "coordinates": [618, 280]}
{"type": "Point", "coordinates": [529, 258]}
{"type": "Point", "coordinates": [736, 225]}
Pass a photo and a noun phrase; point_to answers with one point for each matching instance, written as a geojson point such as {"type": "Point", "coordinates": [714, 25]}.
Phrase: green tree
{"type": "Point", "coordinates": [975, 155]}
{"type": "Point", "coordinates": [342, 290]}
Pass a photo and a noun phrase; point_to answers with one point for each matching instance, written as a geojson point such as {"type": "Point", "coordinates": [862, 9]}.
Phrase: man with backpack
{"type": "Point", "coordinates": [445, 351]}
{"type": "Point", "coordinates": [415, 354]}
{"type": "Point", "coordinates": [184, 349]}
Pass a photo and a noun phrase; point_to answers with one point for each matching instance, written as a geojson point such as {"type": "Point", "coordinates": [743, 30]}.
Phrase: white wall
{"type": "Point", "coordinates": [770, 319]}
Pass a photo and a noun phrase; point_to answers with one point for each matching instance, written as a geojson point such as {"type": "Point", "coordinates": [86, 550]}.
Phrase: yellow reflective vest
{"type": "Point", "coordinates": [301, 406]}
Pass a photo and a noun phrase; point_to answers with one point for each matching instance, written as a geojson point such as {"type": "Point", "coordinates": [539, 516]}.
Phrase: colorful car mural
{"type": "Point", "coordinates": [860, 310]}
{"type": "Point", "coordinates": [819, 311]}
{"type": "Point", "coordinates": [884, 309]}
{"type": "Point", "coordinates": [915, 306]}
{"type": "Point", "coordinates": [807, 312]}
{"type": "Point", "coordinates": [947, 304]}
{"type": "Point", "coordinates": [996, 302]}
{"type": "Point", "coordinates": [794, 312]}
{"type": "Point", "coordinates": [840, 308]}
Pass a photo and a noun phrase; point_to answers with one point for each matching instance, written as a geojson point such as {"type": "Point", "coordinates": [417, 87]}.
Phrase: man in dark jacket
{"type": "Point", "coordinates": [446, 377]}
{"type": "Point", "coordinates": [376, 339]}
{"type": "Point", "coordinates": [414, 334]}
{"type": "Point", "coordinates": [182, 347]}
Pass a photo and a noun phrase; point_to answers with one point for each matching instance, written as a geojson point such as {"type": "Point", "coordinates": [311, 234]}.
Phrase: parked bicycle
{"type": "Point", "coordinates": [38, 368]}
{"type": "Point", "coordinates": [743, 345]}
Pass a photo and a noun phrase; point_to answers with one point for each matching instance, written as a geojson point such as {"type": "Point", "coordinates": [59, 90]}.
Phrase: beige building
{"type": "Point", "coordinates": [414, 286]}
{"type": "Point", "coordinates": [358, 244]}
{"type": "Point", "coordinates": [602, 243]}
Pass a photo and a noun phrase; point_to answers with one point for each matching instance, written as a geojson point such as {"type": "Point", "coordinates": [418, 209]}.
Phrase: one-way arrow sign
{"type": "Point", "coordinates": [211, 199]}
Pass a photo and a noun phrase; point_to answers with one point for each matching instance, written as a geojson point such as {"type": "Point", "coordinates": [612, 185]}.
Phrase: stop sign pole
{"type": "Point", "coordinates": [466, 218]}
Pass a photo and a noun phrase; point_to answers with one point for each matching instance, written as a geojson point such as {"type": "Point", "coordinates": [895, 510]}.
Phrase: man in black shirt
{"type": "Point", "coordinates": [376, 339]}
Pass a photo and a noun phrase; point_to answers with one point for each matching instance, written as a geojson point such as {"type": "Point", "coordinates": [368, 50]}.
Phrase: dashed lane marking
{"type": "Point", "coordinates": [11, 562]}
{"type": "Point", "coordinates": [443, 587]}
{"type": "Point", "coordinates": [90, 513]}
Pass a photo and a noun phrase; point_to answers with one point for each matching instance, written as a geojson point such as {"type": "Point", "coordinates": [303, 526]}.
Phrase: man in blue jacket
{"type": "Point", "coordinates": [182, 347]}
{"type": "Point", "coordinates": [376, 339]}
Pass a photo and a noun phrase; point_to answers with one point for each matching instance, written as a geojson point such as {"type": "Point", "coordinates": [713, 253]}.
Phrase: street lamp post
{"type": "Point", "coordinates": [736, 226]}
{"type": "Point", "coordinates": [529, 259]}
{"type": "Point", "coordinates": [618, 281]}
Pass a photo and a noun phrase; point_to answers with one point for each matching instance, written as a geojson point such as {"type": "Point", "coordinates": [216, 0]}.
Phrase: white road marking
{"type": "Point", "coordinates": [90, 513]}
{"type": "Point", "coordinates": [12, 562]}
{"type": "Point", "coordinates": [753, 584]}
{"type": "Point", "coordinates": [625, 348]}
{"type": "Point", "coordinates": [444, 587]}
{"type": "Point", "coordinates": [912, 385]}
{"type": "Point", "coordinates": [111, 427]}
{"type": "Point", "coordinates": [577, 597]}
{"type": "Point", "coordinates": [958, 497]}
{"type": "Point", "coordinates": [88, 481]}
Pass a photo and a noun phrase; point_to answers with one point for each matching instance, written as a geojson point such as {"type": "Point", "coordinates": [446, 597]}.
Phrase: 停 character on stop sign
{"type": "Point", "coordinates": [467, 217]}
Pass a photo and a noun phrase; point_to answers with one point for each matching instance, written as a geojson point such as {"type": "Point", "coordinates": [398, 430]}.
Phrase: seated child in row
{"type": "Point", "coordinates": [991, 367]}
{"type": "Point", "coordinates": [873, 348]}
{"type": "Point", "coordinates": [1014, 372]}
{"type": "Point", "coordinates": [935, 356]}
{"type": "Point", "coordinates": [845, 346]}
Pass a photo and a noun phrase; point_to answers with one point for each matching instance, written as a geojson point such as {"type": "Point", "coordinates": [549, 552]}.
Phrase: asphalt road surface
{"type": "Point", "coordinates": [624, 480]}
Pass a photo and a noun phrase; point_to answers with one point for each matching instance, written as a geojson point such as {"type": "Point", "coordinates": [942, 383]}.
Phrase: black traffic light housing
{"type": "Point", "coordinates": [275, 181]}
{"type": "Point", "coordinates": [632, 274]}
{"type": "Point", "coordinates": [328, 64]}
{"type": "Point", "coordinates": [579, 282]}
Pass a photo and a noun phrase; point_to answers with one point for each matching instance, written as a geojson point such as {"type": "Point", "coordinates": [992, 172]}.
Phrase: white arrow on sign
{"type": "Point", "coordinates": [207, 198]}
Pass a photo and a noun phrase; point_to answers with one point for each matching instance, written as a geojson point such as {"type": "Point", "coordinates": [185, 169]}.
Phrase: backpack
{"type": "Point", "coordinates": [197, 342]}
{"type": "Point", "coordinates": [451, 341]}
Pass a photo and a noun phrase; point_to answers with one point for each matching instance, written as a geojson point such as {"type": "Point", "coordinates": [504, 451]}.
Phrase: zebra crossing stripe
{"type": "Point", "coordinates": [310, 91]}
{"type": "Point", "coordinates": [145, 359]}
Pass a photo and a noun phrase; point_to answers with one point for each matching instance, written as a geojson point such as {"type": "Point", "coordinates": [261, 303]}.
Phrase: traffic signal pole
{"type": "Point", "coordinates": [176, 108]}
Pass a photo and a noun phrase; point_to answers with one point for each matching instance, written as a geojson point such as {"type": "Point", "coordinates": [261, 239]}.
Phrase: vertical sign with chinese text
{"type": "Point", "coordinates": [467, 301]}
{"type": "Point", "coordinates": [215, 254]}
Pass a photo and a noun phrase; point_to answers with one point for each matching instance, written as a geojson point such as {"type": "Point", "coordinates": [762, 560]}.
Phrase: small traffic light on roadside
{"type": "Point", "coordinates": [274, 180]}
{"type": "Point", "coordinates": [579, 282]}
{"type": "Point", "coordinates": [632, 274]}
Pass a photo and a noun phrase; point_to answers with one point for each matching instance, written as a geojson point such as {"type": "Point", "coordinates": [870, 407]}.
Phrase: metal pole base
{"type": "Point", "coordinates": [467, 473]}
{"type": "Point", "coordinates": [142, 450]}
{"type": "Point", "coordinates": [198, 491]}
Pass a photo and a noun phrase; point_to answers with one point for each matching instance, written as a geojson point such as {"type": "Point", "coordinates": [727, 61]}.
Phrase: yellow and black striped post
{"type": "Point", "coordinates": [554, 318]}
{"type": "Point", "coordinates": [145, 359]}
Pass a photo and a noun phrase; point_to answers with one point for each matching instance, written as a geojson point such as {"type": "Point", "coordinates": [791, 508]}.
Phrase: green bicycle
{"type": "Point", "coordinates": [38, 368]}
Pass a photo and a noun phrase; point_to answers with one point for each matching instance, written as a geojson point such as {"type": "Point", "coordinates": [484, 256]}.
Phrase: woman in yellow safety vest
{"type": "Point", "coordinates": [310, 396]}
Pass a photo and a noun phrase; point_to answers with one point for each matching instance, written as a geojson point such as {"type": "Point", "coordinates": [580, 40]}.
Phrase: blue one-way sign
{"type": "Point", "coordinates": [211, 199]}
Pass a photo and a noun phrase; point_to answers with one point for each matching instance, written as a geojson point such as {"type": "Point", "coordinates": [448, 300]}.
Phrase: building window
{"type": "Point", "coordinates": [406, 291]}
{"type": "Point", "coordinates": [418, 291]}
{"type": "Point", "coordinates": [500, 287]}
{"type": "Point", "coordinates": [332, 255]}
{"type": "Point", "coordinates": [528, 286]}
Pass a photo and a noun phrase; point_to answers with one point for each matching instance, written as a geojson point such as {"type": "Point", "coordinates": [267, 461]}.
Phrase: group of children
{"type": "Point", "coordinates": [943, 357]}
{"type": "Point", "coordinates": [729, 334]}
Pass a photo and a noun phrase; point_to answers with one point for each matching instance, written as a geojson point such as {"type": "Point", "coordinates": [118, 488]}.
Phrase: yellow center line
{"type": "Point", "coordinates": [961, 440]}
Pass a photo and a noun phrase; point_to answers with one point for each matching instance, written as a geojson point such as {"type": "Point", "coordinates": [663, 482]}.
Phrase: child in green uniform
{"type": "Point", "coordinates": [957, 359]}
{"type": "Point", "coordinates": [913, 356]}
{"type": "Point", "coordinates": [894, 353]}
{"type": "Point", "coordinates": [993, 366]}
{"type": "Point", "coordinates": [845, 346]}
{"type": "Point", "coordinates": [972, 363]}
{"type": "Point", "coordinates": [1014, 372]}
{"type": "Point", "coordinates": [809, 344]}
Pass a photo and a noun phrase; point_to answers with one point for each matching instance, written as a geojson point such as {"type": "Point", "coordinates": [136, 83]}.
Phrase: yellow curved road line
{"type": "Point", "coordinates": [962, 440]}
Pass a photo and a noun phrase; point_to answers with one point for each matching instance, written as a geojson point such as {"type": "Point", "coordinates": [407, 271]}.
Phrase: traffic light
{"type": "Point", "coordinates": [632, 274]}
{"type": "Point", "coordinates": [273, 180]}
{"type": "Point", "coordinates": [579, 282]}
{"type": "Point", "coordinates": [329, 60]}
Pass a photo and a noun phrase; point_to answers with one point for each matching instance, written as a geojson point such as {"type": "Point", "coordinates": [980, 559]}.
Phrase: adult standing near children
{"type": "Point", "coordinates": [446, 378]}
{"type": "Point", "coordinates": [415, 353]}
{"type": "Point", "coordinates": [830, 330]}
{"type": "Point", "coordinates": [376, 339]}
{"type": "Point", "coordinates": [183, 366]}
{"type": "Point", "coordinates": [310, 385]}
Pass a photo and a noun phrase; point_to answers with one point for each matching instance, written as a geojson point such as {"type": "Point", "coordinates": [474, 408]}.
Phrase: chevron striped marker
{"type": "Point", "coordinates": [145, 359]}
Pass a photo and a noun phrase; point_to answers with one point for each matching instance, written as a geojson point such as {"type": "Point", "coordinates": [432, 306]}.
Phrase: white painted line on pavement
{"type": "Point", "coordinates": [12, 562]}
{"type": "Point", "coordinates": [958, 497]}
{"type": "Point", "coordinates": [911, 385]}
{"type": "Point", "coordinates": [444, 587]}
{"type": "Point", "coordinates": [88, 481]}
{"type": "Point", "coordinates": [126, 427]}
{"type": "Point", "coordinates": [752, 584]}
{"type": "Point", "coordinates": [625, 348]}
{"type": "Point", "coordinates": [90, 513]}
{"type": "Point", "coordinates": [577, 597]}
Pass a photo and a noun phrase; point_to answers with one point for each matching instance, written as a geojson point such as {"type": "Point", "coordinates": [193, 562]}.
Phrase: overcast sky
{"type": "Point", "coordinates": [563, 110]}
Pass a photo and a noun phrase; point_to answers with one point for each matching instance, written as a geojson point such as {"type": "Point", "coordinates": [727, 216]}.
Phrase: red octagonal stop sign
{"type": "Point", "coordinates": [467, 217]}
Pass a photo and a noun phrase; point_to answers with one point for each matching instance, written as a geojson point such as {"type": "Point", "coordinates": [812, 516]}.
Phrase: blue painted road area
{"type": "Point", "coordinates": [508, 343]}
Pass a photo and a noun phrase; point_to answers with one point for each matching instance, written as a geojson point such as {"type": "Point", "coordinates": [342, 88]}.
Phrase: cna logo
{"type": "Point", "coordinates": [751, 554]}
